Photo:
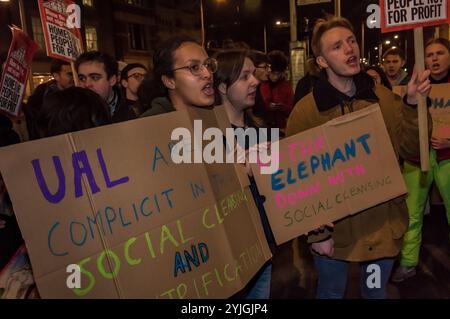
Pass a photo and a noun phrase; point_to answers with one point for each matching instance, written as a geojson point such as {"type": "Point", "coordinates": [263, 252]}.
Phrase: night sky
{"type": "Point", "coordinates": [244, 20]}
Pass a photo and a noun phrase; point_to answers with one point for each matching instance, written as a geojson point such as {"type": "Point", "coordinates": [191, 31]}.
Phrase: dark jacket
{"type": "Point", "coordinates": [7, 135]}
{"type": "Point", "coordinates": [34, 106]}
{"type": "Point", "coordinates": [377, 232]}
{"type": "Point", "coordinates": [304, 86]}
{"type": "Point", "coordinates": [122, 111]}
{"type": "Point", "coordinates": [160, 105]}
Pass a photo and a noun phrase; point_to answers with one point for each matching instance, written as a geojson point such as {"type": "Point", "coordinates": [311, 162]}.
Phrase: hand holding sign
{"type": "Point", "coordinates": [440, 143]}
{"type": "Point", "coordinates": [418, 84]}
{"type": "Point", "coordinates": [324, 248]}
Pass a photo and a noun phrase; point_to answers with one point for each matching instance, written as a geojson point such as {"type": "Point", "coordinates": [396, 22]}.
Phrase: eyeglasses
{"type": "Point", "coordinates": [197, 68]}
{"type": "Point", "coordinates": [137, 76]}
{"type": "Point", "coordinates": [264, 66]}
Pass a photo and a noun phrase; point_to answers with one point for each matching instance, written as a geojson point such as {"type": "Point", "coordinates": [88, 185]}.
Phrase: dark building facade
{"type": "Point", "coordinates": [130, 30]}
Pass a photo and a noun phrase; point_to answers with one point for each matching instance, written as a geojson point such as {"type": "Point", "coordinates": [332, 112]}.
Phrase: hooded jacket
{"type": "Point", "coordinates": [376, 232]}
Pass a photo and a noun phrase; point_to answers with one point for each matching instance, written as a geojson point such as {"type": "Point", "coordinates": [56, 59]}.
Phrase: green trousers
{"type": "Point", "coordinates": [418, 185]}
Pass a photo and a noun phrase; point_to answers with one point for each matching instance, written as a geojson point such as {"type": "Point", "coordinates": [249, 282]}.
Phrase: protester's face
{"type": "Point", "coordinates": [186, 89]}
{"type": "Point", "coordinates": [392, 65]}
{"type": "Point", "coordinates": [242, 92]}
{"type": "Point", "coordinates": [134, 79]}
{"type": "Point", "coordinates": [437, 59]}
{"type": "Point", "coordinates": [92, 76]}
{"type": "Point", "coordinates": [339, 52]}
{"type": "Point", "coordinates": [64, 78]}
{"type": "Point", "coordinates": [375, 76]}
{"type": "Point", "coordinates": [262, 71]}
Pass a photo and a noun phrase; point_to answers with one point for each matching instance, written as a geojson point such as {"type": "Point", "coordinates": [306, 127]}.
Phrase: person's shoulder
{"type": "Point", "coordinates": [159, 105]}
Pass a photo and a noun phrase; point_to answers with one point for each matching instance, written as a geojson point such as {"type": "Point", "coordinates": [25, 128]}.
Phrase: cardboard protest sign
{"type": "Point", "coordinates": [408, 14]}
{"type": "Point", "coordinates": [62, 37]}
{"type": "Point", "coordinates": [340, 168]}
{"type": "Point", "coordinates": [16, 72]}
{"type": "Point", "coordinates": [111, 200]}
{"type": "Point", "coordinates": [439, 108]}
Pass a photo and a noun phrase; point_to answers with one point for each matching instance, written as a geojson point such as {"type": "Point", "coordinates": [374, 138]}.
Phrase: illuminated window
{"type": "Point", "coordinates": [91, 39]}
{"type": "Point", "coordinates": [88, 3]}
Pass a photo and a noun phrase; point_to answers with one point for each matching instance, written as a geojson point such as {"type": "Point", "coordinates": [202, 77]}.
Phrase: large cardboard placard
{"type": "Point", "coordinates": [111, 200]}
{"type": "Point", "coordinates": [61, 41]}
{"type": "Point", "coordinates": [408, 14]}
{"type": "Point", "coordinates": [340, 168]}
{"type": "Point", "coordinates": [439, 108]}
{"type": "Point", "coordinates": [16, 72]}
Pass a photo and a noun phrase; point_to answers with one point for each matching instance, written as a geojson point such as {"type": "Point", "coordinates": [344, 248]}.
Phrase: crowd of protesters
{"type": "Point", "coordinates": [255, 92]}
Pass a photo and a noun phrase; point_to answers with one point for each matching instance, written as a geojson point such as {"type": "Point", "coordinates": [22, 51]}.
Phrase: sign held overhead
{"type": "Point", "coordinates": [408, 14]}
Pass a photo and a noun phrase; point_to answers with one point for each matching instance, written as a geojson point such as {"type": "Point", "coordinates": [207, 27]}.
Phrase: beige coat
{"type": "Point", "coordinates": [376, 232]}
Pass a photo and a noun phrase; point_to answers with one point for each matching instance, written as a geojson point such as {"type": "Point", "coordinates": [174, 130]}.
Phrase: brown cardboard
{"type": "Point", "coordinates": [221, 215]}
{"type": "Point", "coordinates": [440, 109]}
{"type": "Point", "coordinates": [320, 203]}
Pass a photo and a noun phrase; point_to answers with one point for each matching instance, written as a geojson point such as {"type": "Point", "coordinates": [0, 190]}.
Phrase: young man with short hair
{"type": "Point", "coordinates": [131, 78]}
{"type": "Point", "coordinates": [393, 63]}
{"type": "Point", "coordinates": [373, 236]}
{"type": "Point", "coordinates": [98, 72]}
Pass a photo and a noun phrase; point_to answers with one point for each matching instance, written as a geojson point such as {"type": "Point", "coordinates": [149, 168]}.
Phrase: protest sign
{"type": "Point", "coordinates": [340, 168]}
{"type": "Point", "coordinates": [416, 14]}
{"type": "Point", "coordinates": [62, 37]}
{"type": "Point", "coordinates": [16, 72]}
{"type": "Point", "coordinates": [407, 14]}
{"type": "Point", "coordinates": [111, 200]}
{"type": "Point", "coordinates": [439, 108]}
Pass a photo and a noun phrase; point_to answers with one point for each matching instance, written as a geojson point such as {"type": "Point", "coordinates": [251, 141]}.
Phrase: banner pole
{"type": "Point", "coordinates": [24, 28]}
{"type": "Point", "coordinates": [74, 74]}
{"type": "Point", "coordinates": [422, 103]}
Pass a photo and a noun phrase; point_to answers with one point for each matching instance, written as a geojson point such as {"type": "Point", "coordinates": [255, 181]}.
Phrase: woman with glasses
{"type": "Point", "coordinates": [183, 75]}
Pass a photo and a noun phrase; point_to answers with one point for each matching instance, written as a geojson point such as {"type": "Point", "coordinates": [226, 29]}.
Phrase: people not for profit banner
{"type": "Point", "coordinates": [408, 14]}
{"type": "Point", "coordinates": [16, 71]}
{"type": "Point", "coordinates": [340, 168]}
{"type": "Point", "coordinates": [62, 37]}
{"type": "Point", "coordinates": [111, 201]}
